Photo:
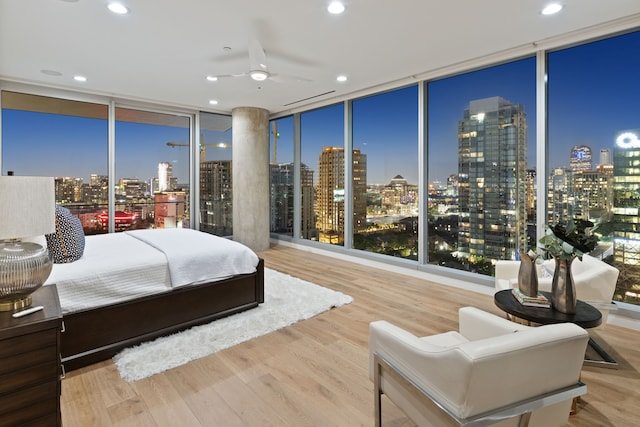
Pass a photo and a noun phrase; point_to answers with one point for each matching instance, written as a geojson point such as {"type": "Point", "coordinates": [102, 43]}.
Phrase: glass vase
{"type": "Point", "coordinates": [563, 289]}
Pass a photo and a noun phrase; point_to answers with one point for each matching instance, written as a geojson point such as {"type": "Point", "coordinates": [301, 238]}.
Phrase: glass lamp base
{"type": "Point", "coordinates": [24, 267]}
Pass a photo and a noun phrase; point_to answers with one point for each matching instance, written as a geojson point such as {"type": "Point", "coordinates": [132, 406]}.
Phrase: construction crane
{"type": "Point", "coordinates": [202, 146]}
{"type": "Point", "coordinates": [276, 135]}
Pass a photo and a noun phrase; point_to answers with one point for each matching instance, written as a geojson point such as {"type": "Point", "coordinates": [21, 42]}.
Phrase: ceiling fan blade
{"type": "Point", "coordinates": [257, 57]}
{"type": "Point", "coordinates": [224, 76]}
{"type": "Point", "coordinates": [282, 78]}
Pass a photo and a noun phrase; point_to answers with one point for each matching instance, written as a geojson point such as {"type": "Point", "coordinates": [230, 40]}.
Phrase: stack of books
{"type": "Point", "coordinates": [526, 300]}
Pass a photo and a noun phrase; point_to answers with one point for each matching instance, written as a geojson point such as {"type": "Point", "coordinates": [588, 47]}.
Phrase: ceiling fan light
{"type": "Point", "coordinates": [259, 75]}
{"type": "Point", "coordinates": [336, 7]}
{"type": "Point", "coordinates": [212, 78]}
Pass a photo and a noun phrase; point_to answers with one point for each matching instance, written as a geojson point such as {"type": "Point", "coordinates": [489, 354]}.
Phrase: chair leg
{"type": "Point", "coordinates": [524, 419]}
{"type": "Point", "coordinates": [377, 395]}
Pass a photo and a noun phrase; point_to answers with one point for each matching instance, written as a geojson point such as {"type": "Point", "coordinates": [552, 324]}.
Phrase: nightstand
{"type": "Point", "coordinates": [30, 370]}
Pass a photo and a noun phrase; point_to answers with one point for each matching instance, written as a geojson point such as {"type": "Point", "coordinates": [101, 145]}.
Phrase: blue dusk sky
{"type": "Point", "coordinates": [593, 92]}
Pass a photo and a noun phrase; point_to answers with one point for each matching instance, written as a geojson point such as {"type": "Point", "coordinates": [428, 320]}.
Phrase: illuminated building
{"type": "Point", "coordinates": [560, 202]}
{"type": "Point", "coordinates": [281, 200]}
{"type": "Point", "coordinates": [492, 152]}
{"type": "Point", "coordinates": [330, 197]}
{"type": "Point", "coordinates": [169, 209]}
{"type": "Point", "coordinates": [123, 220]}
{"type": "Point", "coordinates": [166, 180]}
{"type": "Point", "coordinates": [531, 195]}
{"type": "Point", "coordinates": [216, 193]}
{"type": "Point", "coordinates": [580, 159]}
{"type": "Point", "coordinates": [605, 156]}
{"type": "Point", "coordinates": [626, 210]}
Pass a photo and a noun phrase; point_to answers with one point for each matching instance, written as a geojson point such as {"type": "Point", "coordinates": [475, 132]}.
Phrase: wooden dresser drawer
{"type": "Point", "coordinates": [30, 364]}
{"type": "Point", "coordinates": [29, 404]}
{"type": "Point", "coordinates": [28, 359]}
{"type": "Point", "coordinates": [26, 343]}
{"type": "Point", "coordinates": [45, 371]}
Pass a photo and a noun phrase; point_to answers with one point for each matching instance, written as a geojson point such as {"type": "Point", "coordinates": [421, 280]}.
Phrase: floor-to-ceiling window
{"type": "Point", "coordinates": [594, 148]}
{"type": "Point", "coordinates": [152, 170]}
{"type": "Point", "coordinates": [44, 136]}
{"type": "Point", "coordinates": [481, 166]}
{"type": "Point", "coordinates": [385, 173]}
{"type": "Point", "coordinates": [281, 176]}
{"type": "Point", "coordinates": [322, 175]}
{"type": "Point", "coordinates": [216, 186]}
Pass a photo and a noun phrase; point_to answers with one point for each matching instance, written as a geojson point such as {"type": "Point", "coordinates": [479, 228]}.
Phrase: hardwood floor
{"type": "Point", "coordinates": [315, 372]}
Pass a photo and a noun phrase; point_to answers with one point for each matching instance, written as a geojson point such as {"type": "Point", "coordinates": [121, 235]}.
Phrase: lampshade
{"type": "Point", "coordinates": [27, 206]}
{"type": "Point", "coordinates": [27, 209]}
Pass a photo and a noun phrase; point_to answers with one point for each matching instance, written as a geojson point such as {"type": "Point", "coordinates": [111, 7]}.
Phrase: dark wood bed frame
{"type": "Point", "coordinates": [90, 336]}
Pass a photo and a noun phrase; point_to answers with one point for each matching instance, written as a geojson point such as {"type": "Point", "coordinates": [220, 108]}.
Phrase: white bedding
{"type": "Point", "coordinates": [118, 267]}
{"type": "Point", "coordinates": [196, 257]}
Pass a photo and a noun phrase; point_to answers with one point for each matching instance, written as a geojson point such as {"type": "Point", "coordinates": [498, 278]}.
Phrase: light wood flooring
{"type": "Point", "coordinates": [315, 373]}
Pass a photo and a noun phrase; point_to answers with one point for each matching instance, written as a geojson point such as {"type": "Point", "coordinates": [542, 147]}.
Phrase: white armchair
{"type": "Point", "coordinates": [595, 280]}
{"type": "Point", "coordinates": [492, 371]}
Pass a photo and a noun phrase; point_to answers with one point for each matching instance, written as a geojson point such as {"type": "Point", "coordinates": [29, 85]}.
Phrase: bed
{"type": "Point", "coordinates": [134, 286]}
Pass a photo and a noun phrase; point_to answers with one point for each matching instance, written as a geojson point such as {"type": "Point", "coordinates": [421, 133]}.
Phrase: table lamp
{"type": "Point", "coordinates": [27, 209]}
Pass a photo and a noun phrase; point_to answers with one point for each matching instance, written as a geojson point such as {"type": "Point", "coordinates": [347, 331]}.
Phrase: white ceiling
{"type": "Point", "coordinates": [162, 51]}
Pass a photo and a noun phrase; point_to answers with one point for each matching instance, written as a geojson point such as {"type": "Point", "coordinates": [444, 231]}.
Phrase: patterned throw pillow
{"type": "Point", "coordinates": [67, 243]}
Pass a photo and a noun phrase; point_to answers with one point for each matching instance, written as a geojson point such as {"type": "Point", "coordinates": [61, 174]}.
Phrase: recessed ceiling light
{"type": "Point", "coordinates": [80, 78]}
{"type": "Point", "coordinates": [212, 78]}
{"type": "Point", "coordinates": [213, 102]}
{"type": "Point", "coordinates": [118, 8]}
{"type": "Point", "coordinates": [336, 7]}
{"type": "Point", "coordinates": [552, 8]}
{"type": "Point", "coordinates": [259, 75]}
{"type": "Point", "coordinates": [341, 79]}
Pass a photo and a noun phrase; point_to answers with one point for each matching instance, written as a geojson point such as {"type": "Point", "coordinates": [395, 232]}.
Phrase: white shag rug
{"type": "Point", "coordinates": [287, 300]}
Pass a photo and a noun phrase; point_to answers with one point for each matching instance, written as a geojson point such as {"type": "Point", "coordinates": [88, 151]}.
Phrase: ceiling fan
{"type": "Point", "coordinates": [259, 71]}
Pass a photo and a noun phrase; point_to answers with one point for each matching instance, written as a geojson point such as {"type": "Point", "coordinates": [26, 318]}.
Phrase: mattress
{"type": "Point", "coordinates": [118, 267]}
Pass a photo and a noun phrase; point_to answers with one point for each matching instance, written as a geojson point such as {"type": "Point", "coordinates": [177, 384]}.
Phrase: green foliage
{"type": "Point", "coordinates": [574, 238]}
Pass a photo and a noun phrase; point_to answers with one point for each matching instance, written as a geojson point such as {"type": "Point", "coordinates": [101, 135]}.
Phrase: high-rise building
{"type": "Point", "coordinates": [281, 199]}
{"type": "Point", "coordinates": [166, 180]}
{"type": "Point", "coordinates": [593, 193]}
{"type": "Point", "coordinates": [626, 212]}
{"type": "Point", "coordinates": [68, 189]}
{"type": "Point", "coordinates": [580, 158]}
{"type": "Point", "coordinates": [560, 199]}
{"type": "Point", "coordinates": [605, 156]}
{"type": "Point", "coordinates": [169, 209]}
{"type": "Point", "coordinates": [531, 196]}
{"type": "Point", "coordinates": [216, 194]}
{"type": "Point", "coordinates": [330, 197]}
{"type": "Point", "coordinates": [492, 153]}
{"type": "Point", "coordinates": [307, 202]}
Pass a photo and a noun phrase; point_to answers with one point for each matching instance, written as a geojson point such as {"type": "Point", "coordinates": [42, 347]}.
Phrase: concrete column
{"type": "Point", "coordinates": [251, 177]}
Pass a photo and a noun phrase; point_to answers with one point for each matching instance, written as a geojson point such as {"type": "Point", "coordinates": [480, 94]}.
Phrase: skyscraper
{"type": "Point", "coordinates": [626, 211]}
{"type": "Point", "coordinates": [492, 152]}
{"type": "Point", "coordinates": [605, 156]}
{"type": "Point", "coordinates": [281, 199]}
{"type": "Point", "coordinates": [216, 215]}
{"type": "Point", "coordinates": [166, 180]}
{"type": "Point", "coordinates": [330, 197]}
{"type": "Point", "coordinates": [580, 158]}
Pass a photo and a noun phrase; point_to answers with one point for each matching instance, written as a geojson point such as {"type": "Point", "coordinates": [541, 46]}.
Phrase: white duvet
{"type": "Point", "coordinates": [117, 267]}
